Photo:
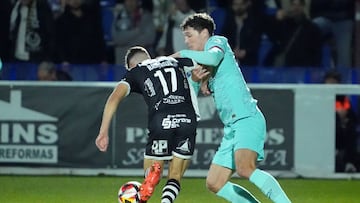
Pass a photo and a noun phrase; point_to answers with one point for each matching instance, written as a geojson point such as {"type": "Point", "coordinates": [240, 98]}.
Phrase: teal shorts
{"type": "Point", "coordinates": [246, 133]}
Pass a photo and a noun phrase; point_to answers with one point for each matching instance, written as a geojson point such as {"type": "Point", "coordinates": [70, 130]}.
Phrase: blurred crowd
{"type": "Point", "coordinates": [276, 33]}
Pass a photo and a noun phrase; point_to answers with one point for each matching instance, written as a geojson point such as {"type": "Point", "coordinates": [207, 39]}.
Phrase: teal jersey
{"type": "Point", "coordinates": [231, 94]}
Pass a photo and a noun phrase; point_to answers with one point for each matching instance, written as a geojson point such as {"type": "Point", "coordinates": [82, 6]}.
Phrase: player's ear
{"type": "Point", "coordinates": [205, 33]}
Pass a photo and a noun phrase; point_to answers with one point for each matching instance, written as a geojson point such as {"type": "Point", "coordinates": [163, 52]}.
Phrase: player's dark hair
{"type": "Point", "coordinates": [132, 52]}
{"type": "Point", "coordinates": [199, 21]}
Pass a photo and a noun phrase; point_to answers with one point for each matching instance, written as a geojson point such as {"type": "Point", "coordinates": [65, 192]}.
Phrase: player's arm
{"type": "Point", "coordinates": [194, 72]}
{"type": "Point", "coordinates": [211, 57]}
{"type": "Point", "coordinates": [118, 94]}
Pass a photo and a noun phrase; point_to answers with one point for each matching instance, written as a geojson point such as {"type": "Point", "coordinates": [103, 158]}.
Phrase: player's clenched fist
{"type": "Point", "coordinates": [102, 142]}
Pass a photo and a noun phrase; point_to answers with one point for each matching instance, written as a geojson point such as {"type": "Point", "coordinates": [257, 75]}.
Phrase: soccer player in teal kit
{"type": "Point", "coordinates": [244, 124]}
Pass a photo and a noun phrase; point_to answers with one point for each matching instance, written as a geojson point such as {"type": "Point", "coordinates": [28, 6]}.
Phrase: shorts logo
{"type": "Point", "coordinates": [184, 146]}
{"type": "Point", "coordinates": [159, 147]}
{"type": "Point", "coordinates": [173, 121]}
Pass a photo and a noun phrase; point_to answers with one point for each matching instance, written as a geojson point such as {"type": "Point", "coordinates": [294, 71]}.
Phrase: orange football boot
{"type": "Point", "coordinates": [151, 180]}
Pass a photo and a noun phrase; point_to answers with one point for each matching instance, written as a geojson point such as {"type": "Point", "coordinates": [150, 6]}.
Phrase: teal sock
{"type": "Point", "coordinates": [236, 193]}
{"type": "Point", "coordinates": [269, 186]}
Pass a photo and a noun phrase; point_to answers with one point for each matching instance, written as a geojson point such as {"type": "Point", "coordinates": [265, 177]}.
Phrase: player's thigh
{"type": "Point", "coordinates": [159, 144]}
{"type": "Point", "coordinates": [250, 133]}
{"type": "Point", "coordinates": [183, 142]}
{"type": "Point", "coordinates": [171, 133]}
{"type": "Point", "coordinates": [224, 156]}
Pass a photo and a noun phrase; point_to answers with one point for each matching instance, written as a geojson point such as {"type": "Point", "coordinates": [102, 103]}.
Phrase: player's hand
{"type": "Point", "coordinates": [205, 88]}
{"type": "Point", "coordinates": [199, 73]}
{"type": "Point", "coordinates": [102, 142]}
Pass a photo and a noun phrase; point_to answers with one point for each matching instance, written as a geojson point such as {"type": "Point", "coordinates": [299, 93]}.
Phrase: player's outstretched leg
{"type": "Point", "coordinates": [151, 180]}
{"type": "Point", "coordinates": [236, 193]}
{"type": "Point", "coordinates": [269, 186]}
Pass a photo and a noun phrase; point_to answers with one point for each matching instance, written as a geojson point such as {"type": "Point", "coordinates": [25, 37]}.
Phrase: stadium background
{"type": "Point", "coordinates": [65, 140]}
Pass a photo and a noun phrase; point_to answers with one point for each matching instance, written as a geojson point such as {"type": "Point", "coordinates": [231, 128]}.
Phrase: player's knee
{"type": "Point", "coordinates": [245, 171]}
{"type": "Point", "coordinates": [212, 185]}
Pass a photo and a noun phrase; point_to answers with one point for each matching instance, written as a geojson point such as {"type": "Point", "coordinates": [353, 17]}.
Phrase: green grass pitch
{"type": "Point", "coordinates": [103, 189]}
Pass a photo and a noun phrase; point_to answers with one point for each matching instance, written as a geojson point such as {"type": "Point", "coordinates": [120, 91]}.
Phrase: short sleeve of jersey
{"type": "Point", "coordinates": [216, 41]}
{"type": "Point", "coordinates": [185, 62]}
{"type": "Point", "coordinates": [188, 65]}
{"type": "Point", "coordinates": [130, 78]}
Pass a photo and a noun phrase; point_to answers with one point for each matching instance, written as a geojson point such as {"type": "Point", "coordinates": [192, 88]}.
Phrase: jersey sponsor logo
{"type": "Point", "coordinates": [184, 146]}
{"type": "Point", "coordinates": [173, 121]}
{"type": "Point", "coordinates": [159, 147]}
{"type": "Point", "coordinates": [173, 99]}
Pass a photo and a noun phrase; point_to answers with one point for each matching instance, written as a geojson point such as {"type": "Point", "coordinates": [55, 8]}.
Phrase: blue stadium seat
{"type": "Point", "coordinates": [265, 46]}
{"type": "Point", "coordinates": [107, 19]}
{"type": "Point", "coordinates": [119, 72]}
{"type": "Point", "coordinates": [259, 74]}
{"type": "Point", "coordinates": [19, 71]}
{"type": "Point", "coordinates": [326, 57]}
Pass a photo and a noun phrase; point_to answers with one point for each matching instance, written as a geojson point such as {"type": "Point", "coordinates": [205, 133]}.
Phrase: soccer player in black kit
{"type": "Point", "coordinates": [172, 117]}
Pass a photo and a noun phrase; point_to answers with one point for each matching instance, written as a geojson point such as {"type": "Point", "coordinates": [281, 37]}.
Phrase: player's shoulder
{"type": "Point", "coordinates": [136, 72]}
{"type": "Point", "coordinates": [164, 61]}
{"type": "Point", "coordinates": [158, 60]}
{"type": "Point", "coordinates": [166, 58]}
{"type": "Point", "coordinates": [217, 39]}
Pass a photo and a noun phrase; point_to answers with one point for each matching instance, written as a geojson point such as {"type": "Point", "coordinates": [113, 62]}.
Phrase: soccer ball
{"type": "Point", "coordinates": [129, 192]}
